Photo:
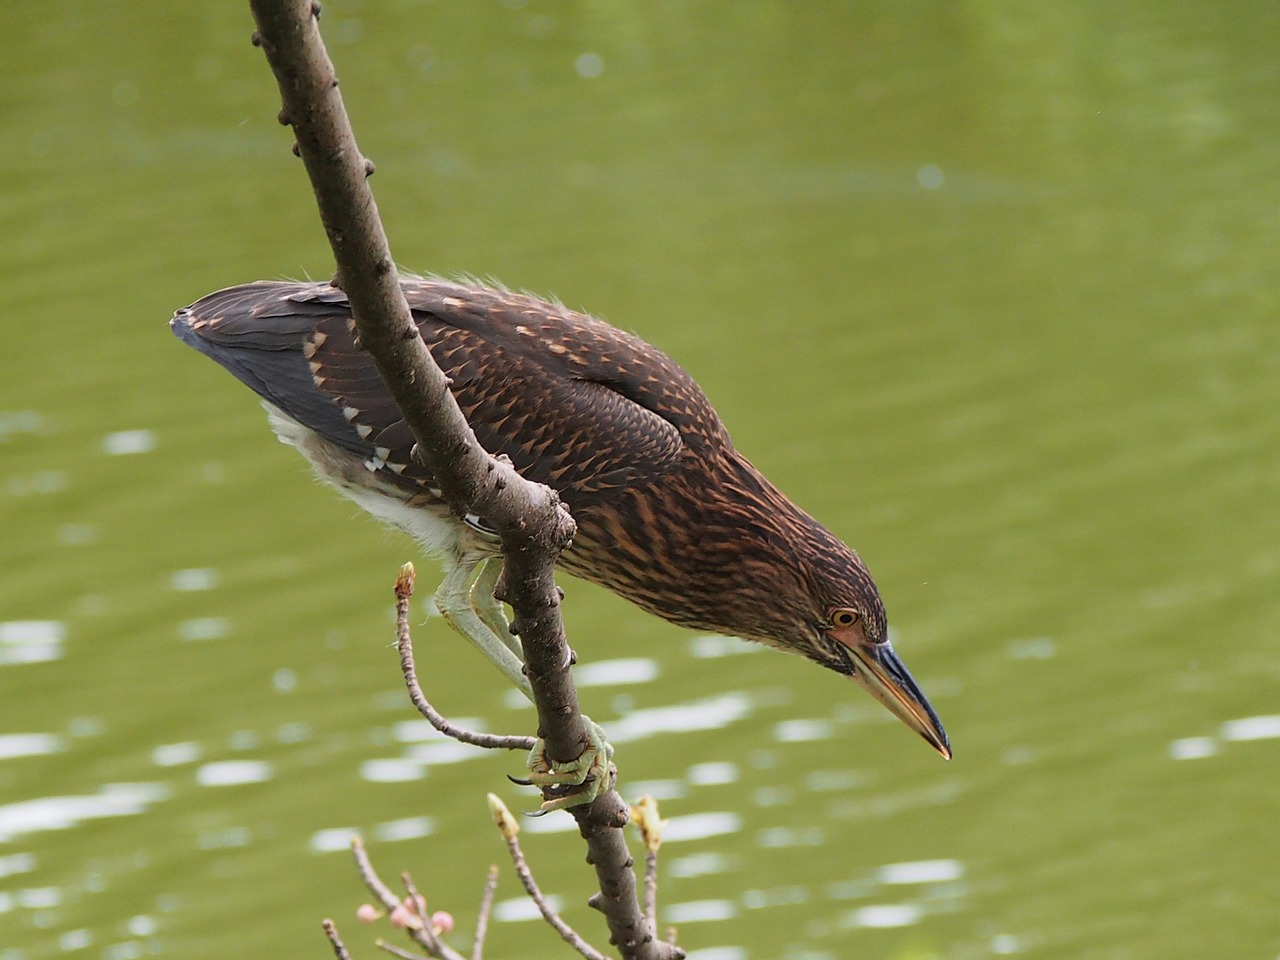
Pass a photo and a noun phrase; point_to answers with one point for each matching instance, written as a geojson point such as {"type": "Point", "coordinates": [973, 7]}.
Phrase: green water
{"type": "Point", "coordinates": [990, 288]}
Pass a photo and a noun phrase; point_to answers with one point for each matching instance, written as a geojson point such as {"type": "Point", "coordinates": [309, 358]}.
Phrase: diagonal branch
{"type": "Point", "coordinates": [533, 525]}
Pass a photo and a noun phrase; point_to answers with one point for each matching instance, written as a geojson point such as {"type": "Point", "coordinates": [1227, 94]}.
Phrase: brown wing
{"type": "Point", "coordinates": [574, 402]}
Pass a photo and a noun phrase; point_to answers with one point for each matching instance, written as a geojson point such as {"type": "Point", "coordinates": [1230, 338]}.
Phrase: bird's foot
{"type": "Point", "coordinates": [576, 782]}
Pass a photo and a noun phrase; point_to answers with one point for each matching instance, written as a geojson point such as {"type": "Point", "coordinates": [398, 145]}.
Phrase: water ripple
{"type": "Point", "coordinates": [711, 714]}
{"type": "Point", "coordinates": [126, 442]}
{"type": "Point", "coordinates": [31, 641]}
{"type": "Point", "coordinates": [610, 673]}
{"type": "Point", "coordinates": [699, 911]}
{"type": "Point", "coordinates": [231, 773]}
{"type": "Point", "coordinates": [14, 745]}
{"type": "Point", "coordinates": [61, 813]}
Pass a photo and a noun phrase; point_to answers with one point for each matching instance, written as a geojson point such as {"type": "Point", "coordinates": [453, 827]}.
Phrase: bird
{"type": "Point", "coordinates": [669, 514]}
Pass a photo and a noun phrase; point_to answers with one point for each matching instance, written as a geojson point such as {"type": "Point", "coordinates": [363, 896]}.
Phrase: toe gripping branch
{"type": "Point", "coordinates": [573, 783]}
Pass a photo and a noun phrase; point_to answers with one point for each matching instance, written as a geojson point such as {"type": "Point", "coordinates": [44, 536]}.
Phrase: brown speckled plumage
{"type": "Point", "coordinates": [669, 514]}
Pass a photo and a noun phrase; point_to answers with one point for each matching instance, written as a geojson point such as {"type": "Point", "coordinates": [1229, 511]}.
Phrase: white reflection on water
{"type": "Point", "coordinates": [20, 421]}
{"type": "Point", "coordinates": [698, 865]}
{"type": "Point", "coordinates": [39, 898]}
{"type": "Point", "coordinates": [775, 897]}
{"type": "Point", "coordinates": [658, 789]}
{"type": "Point", "coordinates": [204, 628]}
{"type": "Point", "coordinates": [230, 773]}
{"type": "Point", "coordinates": [126, 442]}
{"type": "Point", "coordinates": [1005, 943]}
{"type": "Point", "coordinates": [921, 871]}
{"type": "Point", "coordinates": [176, 754]}
{"type": "Point", "coordinates": [802, 731]}
{"type": "Point", "coordinates": [698, 826]}
{"type": "Point", "coordinates": [196, 578]}
{"type": "Point", "coordinates": [142, 925]}
{"type": "Point", "coordinates": [611, 673]}
{"type": "Point", "coordinates": [31, 641]}
{"type": "Point", "coordinates": [1193, 748]}
{"type": "Point", "coordinates": [711, 714]}
{"type": "Point", "coordinates": [883, 916]}
{"type": "Point", "coordinates": [45, 481]}
{"type": "Point", "coordinates": [29, 745]}
{"type": "Point", "coordinates": [711, 646]}
{"type": "Point", "coordinates": [522, 908]}
{"type": "Point", "coordinates": [410, 828]}
{"type": "Point", "coordinates": [226, 839]}
{"type": "Point", "coordinates": [391, 770]}
{"type": "Point", "coordinates": [790, 837]}
{"type": "Point", "coordinates": [718, 953]}
{"type": "Point", "coordinates": [699, 911]}
{"type": "Point", "coordinates": [1252, 728]}
{"type": "Point", "coordinates": [61, 813]}
{"type": "Point", "coordinates": [707, 774]}
{"type": "Point", "coordinates": [75, 940]}
{"type": "Point", "coordinates": [441, 752]}
{"type": "Point", "coordinates": [17, 863]}
{"type": "Point", "coordinates": [1264, 727]}
{"type": "Point", "coordinates": [941, 874]}
{"type": "Point", "coordinates": [333, 839]}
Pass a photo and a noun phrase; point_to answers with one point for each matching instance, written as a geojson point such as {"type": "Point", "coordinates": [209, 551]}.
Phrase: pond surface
{"type": "Point", "coordinates": [991, 290]}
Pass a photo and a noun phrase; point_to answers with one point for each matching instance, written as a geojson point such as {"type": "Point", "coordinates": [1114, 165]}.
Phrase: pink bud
{"type": "Point", "coordinates": [401, 917]}
{"type": "Point", "coordinates": [367, 913]}
{"type": "Point", "coordinates": [442, 922]}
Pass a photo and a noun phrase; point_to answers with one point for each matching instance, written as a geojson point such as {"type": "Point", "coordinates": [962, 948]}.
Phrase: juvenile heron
{"type": "Point", "coordinates": [669, 515]}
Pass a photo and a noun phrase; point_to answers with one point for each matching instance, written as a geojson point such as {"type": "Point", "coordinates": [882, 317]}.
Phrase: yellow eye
{"type": "Point", "coordinates": [844, 617]}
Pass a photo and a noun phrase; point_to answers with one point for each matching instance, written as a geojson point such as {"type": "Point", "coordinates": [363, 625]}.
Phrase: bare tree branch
{"type": "Point", "coordinates": [533, 525]}
{"type": "Point", "coordinates": [486, 909]}
{"type": "Point", "coordinates": [404, 642]}
{"type": "Point", "coordinates": [510, 831]}
{"type": "Point", "coordinates": [331, 931]}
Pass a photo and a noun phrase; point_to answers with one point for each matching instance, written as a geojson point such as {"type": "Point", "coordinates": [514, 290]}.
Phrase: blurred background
{"type": "Point", "coordinates": [990, 288]}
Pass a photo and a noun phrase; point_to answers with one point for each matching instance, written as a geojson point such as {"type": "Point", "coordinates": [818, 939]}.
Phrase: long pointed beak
{"type": "Point", "coordinates": [881, 673]}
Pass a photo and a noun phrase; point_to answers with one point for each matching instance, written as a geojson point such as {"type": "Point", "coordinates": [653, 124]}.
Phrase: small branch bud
{"type": "Point", "coordinates": [506, 823]}
{"type": "Point", "coordinates": [645, 814]}
{"type": "Point", "coordinates": [404, 582]}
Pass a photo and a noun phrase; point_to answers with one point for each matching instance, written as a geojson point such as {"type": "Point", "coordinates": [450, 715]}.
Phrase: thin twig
{"type": "Point", "coordinates": [644, 814]}
{"type": "Point", "coordinates": [425, 935]}
{"type": "Point", "coordinates": [420, 932]}
{"type": "Point", "coordinates": [396, 951]}
{"type": "Point", "coordinates": [404, 643]}
{"type": "Point", "coordinates": [510, 830]}
{"type": "Point", "coordinates": [486, 908]}
{"type": "Point", "coordinates": [419, 901]}
{"type": "Point", "coordinates": [331, 931]}
{"type": "Point", "coordinates": [651, 887]}
{"type": "Point", "coordinates": [370, 876]}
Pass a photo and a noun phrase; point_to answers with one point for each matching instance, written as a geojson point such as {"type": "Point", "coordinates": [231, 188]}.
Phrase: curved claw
{"type": "Point", "coordinates": [520, 781]}
{"type": "Point", "coordinates": [589, 773]}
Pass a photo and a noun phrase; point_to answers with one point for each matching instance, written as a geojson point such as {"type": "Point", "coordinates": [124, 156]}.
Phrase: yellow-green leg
{"type": "Point", "coordinates": [465, 599]}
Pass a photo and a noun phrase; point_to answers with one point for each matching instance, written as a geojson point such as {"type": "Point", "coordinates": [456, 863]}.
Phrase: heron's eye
{"type": "Point", "coordinates": [844, 617]}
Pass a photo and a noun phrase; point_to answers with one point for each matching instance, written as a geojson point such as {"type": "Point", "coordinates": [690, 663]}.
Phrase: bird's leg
{"type": "Point", "coordinates": [589, 773]}
{"type": "Point", "coordinates": [489, 608]}
{"type": "Point", "coordinates": [453, 599]}
{"type": "Point", "coordinates": [466, 600]}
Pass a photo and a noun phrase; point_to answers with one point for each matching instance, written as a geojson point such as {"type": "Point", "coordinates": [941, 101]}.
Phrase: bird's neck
{"type": "Point", "coordinates": [731, 550]}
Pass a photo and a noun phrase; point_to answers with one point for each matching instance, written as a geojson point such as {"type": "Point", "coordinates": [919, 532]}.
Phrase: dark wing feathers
{"type": "Point", "coordinates": [574, 402]}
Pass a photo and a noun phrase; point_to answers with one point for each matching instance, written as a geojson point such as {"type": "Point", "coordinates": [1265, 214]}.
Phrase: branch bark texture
{"type": "Point", "coordinates": [533, 525]}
